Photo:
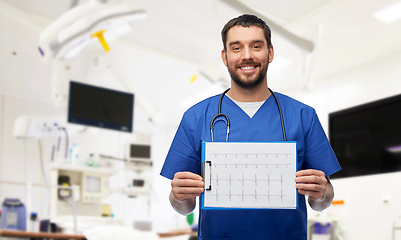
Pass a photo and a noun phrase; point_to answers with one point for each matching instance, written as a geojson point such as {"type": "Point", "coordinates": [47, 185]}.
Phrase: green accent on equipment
{"type": "Point", "coordinates": [190, 218]}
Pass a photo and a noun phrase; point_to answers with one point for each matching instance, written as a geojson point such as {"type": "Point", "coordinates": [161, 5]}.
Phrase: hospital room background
{"type": "Point", "coordinates": [332, 55]}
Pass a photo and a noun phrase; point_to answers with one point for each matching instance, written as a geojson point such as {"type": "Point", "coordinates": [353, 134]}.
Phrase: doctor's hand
{"type": "Point", "coordinates": [311, 182]}
{"type": "Point", "coordinates": [186, 185]}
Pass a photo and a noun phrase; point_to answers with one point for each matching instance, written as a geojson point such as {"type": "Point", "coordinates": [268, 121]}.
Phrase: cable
{"type": "Point", "coordinates": [41, 162]}
{"type": "Point", "coordinates": [58, 143]}
{"type": "Point", "coordinates": [66, 141]}
{"type": "Point", "coordinates": [56, 147]}
{"type": "Point", "coordinates": [43, 174]}
{"type": "Point", "coordinates": [111, 157]}
{"type": "Point", "coordinates": [52, 156]}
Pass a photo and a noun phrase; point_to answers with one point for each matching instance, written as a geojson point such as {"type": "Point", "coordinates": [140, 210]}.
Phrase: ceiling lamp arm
{"type": "Point", "coordinates": [303, 43]}
{"type": "Point", "coordinates": [140, 99]}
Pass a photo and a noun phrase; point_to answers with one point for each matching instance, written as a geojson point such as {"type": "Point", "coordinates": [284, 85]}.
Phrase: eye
{"type": "Point", "coordinates": [256, 46]}
{"type": "Point", "coordinates": [236, 48]}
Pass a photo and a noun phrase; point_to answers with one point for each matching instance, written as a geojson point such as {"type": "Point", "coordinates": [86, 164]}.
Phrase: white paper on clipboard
{"type": "Point", "coordinates": [249, 175]}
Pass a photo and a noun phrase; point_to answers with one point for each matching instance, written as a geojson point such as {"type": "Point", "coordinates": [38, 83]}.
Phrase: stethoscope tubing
{"type": "Point", "coordinates": [227, 120]}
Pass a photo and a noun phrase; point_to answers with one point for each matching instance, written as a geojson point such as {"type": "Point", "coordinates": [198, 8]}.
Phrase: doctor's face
{"type": "Point", "coordinates": [247, 55]}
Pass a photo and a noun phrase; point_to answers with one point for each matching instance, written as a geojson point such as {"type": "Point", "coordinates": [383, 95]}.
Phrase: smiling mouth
{"type": "Point", "coordinates": [248, 67]}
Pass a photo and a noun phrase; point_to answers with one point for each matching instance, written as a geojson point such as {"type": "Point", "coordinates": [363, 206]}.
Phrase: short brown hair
{"type": "Point", "coordinates": [246, 20]}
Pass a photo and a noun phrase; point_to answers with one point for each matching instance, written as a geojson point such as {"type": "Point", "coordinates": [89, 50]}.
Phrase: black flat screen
{"type": "Point", "coordinates": [100, 107]}
{"type": "Point", "coordinates": [139, 151]}
{"type": "Point", "coordinates": [367, 138]}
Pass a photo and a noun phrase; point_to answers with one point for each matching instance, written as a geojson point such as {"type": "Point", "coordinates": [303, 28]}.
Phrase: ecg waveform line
{"type": "Point", "coordinates": [242, 195]}
{"type": "Point", "coordinates": [243, 180]}
{"type": "Point", "coordinates": [266, 155]}
{"type": "Point", "coordinates": [266, 165]}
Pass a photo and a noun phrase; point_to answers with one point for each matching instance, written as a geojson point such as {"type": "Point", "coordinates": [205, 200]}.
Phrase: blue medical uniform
{"type": "Point", "coordinates": [301, 125]}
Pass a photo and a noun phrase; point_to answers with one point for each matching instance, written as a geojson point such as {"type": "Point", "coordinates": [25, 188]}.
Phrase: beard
{"type": "Point", "coordinates": [245, 80]}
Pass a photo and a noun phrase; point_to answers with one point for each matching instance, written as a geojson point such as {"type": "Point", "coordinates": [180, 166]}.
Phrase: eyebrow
{"type": "Point", "coordinates": [238, 42]}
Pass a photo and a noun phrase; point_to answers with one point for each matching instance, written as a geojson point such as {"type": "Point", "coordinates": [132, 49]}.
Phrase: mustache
{"type": "Point", "coordinates": [247, 63]}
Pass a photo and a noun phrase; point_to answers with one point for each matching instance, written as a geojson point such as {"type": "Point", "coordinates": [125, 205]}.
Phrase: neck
{"type": "Point", "coordinates": [257, 94]}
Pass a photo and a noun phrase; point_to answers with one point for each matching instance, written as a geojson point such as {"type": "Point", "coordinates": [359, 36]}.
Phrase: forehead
{"type": "Point", "coordinates": [245, 34]}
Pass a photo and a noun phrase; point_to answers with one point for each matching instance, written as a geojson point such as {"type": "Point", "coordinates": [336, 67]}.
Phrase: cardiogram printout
{"type": "Point", "coordinates": [249, 175]}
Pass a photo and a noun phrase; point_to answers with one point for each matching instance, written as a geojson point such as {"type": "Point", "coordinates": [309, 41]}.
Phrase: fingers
{"type": "Point", "coordinates": [310, 176]}
{"type": "Point", "coordinates": [310, 172]}
{"type": "Point", "coordinates": [186, 185]}
{"type": "Point", "coordinates": [311, 182]}
{"type": "Point", "coordinates": [311, 189]}
{"type": "Point", "coordinates": [311, 179]}
{"type": "Point", "coordinates": [187, 175]}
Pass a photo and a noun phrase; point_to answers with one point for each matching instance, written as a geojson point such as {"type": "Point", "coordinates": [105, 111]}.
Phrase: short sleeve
{"type": "Point", "coordinates": [182, 155]}
{"type": "Point", "coordinates": [318, 152]}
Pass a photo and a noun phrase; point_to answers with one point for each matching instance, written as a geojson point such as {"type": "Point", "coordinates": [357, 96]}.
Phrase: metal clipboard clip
{"type": "Point", "coordinates": [207, 175]}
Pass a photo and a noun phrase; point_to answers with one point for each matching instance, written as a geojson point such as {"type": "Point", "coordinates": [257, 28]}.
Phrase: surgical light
{"type": "Point", "coordinates": [73, 31]}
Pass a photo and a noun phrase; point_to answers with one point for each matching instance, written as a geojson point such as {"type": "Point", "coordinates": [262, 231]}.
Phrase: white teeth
{"type": "Point", "coordinates": [247, 68]}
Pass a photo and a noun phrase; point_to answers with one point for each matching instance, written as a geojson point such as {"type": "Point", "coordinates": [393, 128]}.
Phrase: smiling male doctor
{"type": "Point", "coordinates": [254, 117]}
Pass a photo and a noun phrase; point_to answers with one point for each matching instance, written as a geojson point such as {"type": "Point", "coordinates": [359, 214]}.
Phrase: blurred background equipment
{"type": "Point", "coordinates": [100, 107]}
{"type": "Point", "coordinates": [13, 215]}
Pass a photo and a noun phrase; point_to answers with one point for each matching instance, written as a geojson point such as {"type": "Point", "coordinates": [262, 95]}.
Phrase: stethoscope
{"type": "Point", "coordinates": [227, 120]}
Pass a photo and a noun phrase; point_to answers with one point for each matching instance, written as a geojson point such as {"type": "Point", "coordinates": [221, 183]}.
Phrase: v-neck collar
{"type": "Point", "coordinates": [242, 110]}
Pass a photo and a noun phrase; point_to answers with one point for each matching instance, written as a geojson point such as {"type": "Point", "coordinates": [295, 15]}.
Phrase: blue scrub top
{"type": "Point", "coordinates": [301, 124]}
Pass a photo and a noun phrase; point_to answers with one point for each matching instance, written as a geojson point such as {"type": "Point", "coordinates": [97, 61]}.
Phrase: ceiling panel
{"type": "Point", "coordinates": [287, 10]}
{"type": "Point", "coordinates": [44, 8]}
{"type": "Point", "coordinates": [348, 35]}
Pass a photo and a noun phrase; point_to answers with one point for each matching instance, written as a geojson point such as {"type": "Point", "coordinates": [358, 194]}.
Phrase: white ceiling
{"type": "Point", "coordinates": [344, 32]}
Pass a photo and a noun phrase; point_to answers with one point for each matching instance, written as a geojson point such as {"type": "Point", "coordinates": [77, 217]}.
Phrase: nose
{"type": "Point", "coordinates": [247, 53]}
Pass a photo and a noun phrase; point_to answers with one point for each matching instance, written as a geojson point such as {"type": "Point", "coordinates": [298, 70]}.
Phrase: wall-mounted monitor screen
{"type": "Point", "coordinates": [100, 107]}
{"type": "Point", "coordinates": [92, 184]}
{"type": "Point", "coordinates": [139, 151]}
{"type": "Point", "coordinates": [367, 138]}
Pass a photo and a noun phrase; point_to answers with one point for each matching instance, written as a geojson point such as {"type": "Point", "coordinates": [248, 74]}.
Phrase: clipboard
{"type": "Point", "coordinates": [249, 175]}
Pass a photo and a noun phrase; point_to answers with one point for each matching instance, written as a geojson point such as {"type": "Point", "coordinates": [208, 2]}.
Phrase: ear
{"type": "Point", "coordinates": [271, 53]}
{"type": "Point", "coordinates": [224, 57]}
